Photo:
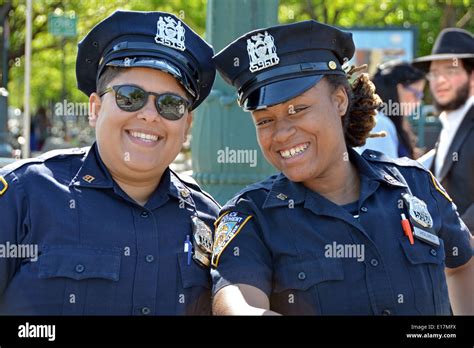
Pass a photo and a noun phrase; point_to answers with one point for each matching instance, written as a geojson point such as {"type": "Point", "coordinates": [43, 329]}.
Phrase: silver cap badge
{"type": "Point", "coordinates": [262, 52]}
{"type": "Point", "coordinates": [170, 33]}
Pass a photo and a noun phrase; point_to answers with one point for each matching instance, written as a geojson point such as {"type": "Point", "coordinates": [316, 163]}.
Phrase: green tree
{"type": "Point", "coordinates": [428, 16]}
{"type": "Point", "coordinates": [48, 50]}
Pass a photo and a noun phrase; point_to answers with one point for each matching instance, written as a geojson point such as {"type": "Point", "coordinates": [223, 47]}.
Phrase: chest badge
{"type": "Point", "coordinates": [421, 220]}
{"type": "Point", "coordinates": [202, 242]}
{"type": "Point", "coordinates": [418, 210]}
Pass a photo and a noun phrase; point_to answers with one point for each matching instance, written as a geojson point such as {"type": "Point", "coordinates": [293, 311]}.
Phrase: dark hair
{"type": "Point", "coordinates": [359, 118]}
{"type": "Point", "coordinates": [468, 65]}
{"type": "Point", "coordinates": [108, 75]}
{"type": "Point", "coordinates": [386, 79]}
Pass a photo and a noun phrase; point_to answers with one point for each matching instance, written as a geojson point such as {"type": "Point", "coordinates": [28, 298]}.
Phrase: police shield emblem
{"type": "Point", "coordinates": [418, 210]}
{"type": "Point", "coordinates": [202, 242]}
{"type": "Point", "coordinates": [262, 52]}
{"type": "Point", "coordinates": [170, 33]}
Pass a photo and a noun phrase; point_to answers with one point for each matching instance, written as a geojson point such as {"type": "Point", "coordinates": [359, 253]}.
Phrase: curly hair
{"type": "Point", "coordinates": [359, 118]}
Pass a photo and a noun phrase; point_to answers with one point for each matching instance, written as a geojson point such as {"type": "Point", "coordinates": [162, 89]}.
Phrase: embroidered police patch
{"type": "Point", "coordinates": [228, 227]}
{"type": "Point", "coordinates": [3, 185]}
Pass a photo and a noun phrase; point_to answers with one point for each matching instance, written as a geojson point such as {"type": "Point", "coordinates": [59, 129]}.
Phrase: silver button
{"type": "Point", "coordinates": [149, 258]}
{"type": "Point", "coordinates": [301, 276]}
{"type": "Point", "coordinates": [146, 311]}
{"type": "Point", "coordinates": [363, 209]}
{"type": "Point", "coordinates": [433, 252]}
{"type": "Point", "coordinates": [80, 268]}
{"type": "Point", "coordinates": [144, 214]}
{"type": "Point", "coordinates": [386, 312]}
{"type": "Point", "coordinates": [374, 262]}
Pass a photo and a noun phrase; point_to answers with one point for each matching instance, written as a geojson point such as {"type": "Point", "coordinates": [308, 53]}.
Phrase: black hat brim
{"type": "Point", "coordinates": [423, 63]}
{"type": "Point", "coordinates": [279, 92]}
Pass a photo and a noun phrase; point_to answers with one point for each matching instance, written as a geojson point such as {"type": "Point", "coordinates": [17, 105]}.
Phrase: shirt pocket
{"type": "Point", "coordinates": [426, 269]}
{"type": "Point", "coordinates": [90, 276]}
{"type": "Point", "coordinates": [300, 286]}
{"type": "Point", "coordinates": [195, 284]}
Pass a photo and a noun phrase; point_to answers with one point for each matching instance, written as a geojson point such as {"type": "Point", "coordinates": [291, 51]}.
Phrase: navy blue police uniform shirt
{"type": "Point", "coordinates": [99, 252]}
{"type": "Point", "coordinates": [304, 252]}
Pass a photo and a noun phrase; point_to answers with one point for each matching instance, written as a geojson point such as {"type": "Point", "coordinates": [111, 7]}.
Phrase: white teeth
{"type": "Point", "coordinates": [143, 136]}
{"type": "Point", "coordinates": [294, 151]}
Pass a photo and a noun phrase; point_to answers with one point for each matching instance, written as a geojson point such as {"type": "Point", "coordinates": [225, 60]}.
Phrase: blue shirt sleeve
{"type": "Point", "coordinates": [245, 258]}
{"type": "Point", "coordinates": [455, 234]}
{"type": "Point", "coordinates": [14, 225]}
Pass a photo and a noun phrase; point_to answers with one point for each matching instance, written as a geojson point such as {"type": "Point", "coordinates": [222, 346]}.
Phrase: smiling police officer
{"type": "Point", "coordinates": [118, 232]}
{"type": "Point", "coordinates": [335, 232]}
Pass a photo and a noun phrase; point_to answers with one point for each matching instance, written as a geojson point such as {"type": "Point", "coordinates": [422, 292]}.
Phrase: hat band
{"type": "Point", "coordinates": [120, 49]}
{"type": "Point", "coordinates": [284, 73]}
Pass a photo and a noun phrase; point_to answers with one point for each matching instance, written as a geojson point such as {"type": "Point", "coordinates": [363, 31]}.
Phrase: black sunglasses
{"type": "Point", "coordinates": [132, 98]}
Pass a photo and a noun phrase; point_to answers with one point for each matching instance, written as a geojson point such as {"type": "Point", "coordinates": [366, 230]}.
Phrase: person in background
{"type": "Point", "coordinates": [450, 72]}
{"type": "Point", "coordinates": [400, 86]}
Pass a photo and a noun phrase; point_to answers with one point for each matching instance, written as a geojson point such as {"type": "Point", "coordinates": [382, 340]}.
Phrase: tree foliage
{"type": "Point", "coordinates": [428, 16]}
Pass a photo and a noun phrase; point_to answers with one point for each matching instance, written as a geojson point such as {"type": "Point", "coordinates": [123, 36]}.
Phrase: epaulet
{"type": "Point", "coordinates": [42, 158]}
{"type": "Point", "coordinates": [265, 185]}
{"type": "Point", "coordinates": [375, 156]}
{"type": "Point", "coordinates": [189, 181]}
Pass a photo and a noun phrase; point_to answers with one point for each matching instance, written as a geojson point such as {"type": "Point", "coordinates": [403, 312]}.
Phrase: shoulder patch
{"type": "Point", "coordinates": [228, 226]}
{"type": "Point", "coordinates": [440, 188]}
{"type": "Point", "coordinates": [3, 185]}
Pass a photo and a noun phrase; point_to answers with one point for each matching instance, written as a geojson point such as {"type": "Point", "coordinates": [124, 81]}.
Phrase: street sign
{"type": "Point", "coordinates": [62, 25]}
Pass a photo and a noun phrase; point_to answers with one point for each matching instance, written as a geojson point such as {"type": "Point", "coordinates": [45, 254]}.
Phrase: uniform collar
{"type": "Point", "coordinates": [171, 186]}
{"type": "Point", "coordinates": [375, 172]}
{"type": "Point", "coordinates": [93, 172]}
{"type": "Point", "coordinates": [284, 192]}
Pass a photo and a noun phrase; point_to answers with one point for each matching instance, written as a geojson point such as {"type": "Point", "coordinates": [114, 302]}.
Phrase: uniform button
{"type": "Point", "coordinates": [386, 312]}
{"type": "Point", "coordinates": [80, 268]}
{"type": "Point", "coordinates": [144, 214]}
{"type": "Point", "coordinates": [149, 258]}
{"type": "Point", "coordinates": [301, 276]}
{"type": "Point", "coordinates": [372, 155]}
{"type": "Point", "coordinates": [145, 311]}
{"type": "Point", "coordinates": [364, 209]}
{"type": "Point", "coordinates": [374, 262]}
{"type": "Point", "coordinates": [433, 252]}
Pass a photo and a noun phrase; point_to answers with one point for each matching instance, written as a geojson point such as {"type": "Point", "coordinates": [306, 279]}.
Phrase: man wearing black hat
{"type": "Point", "coordinates": [335, 232]}
{"type": "Point", "coordinates": [450, 71]}
{"type": "Point", "coordinates": [116, 231]}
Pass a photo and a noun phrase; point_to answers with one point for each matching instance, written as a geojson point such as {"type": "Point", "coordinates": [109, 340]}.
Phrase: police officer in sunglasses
{"type": "Point", "coordinates": [111, 229]}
